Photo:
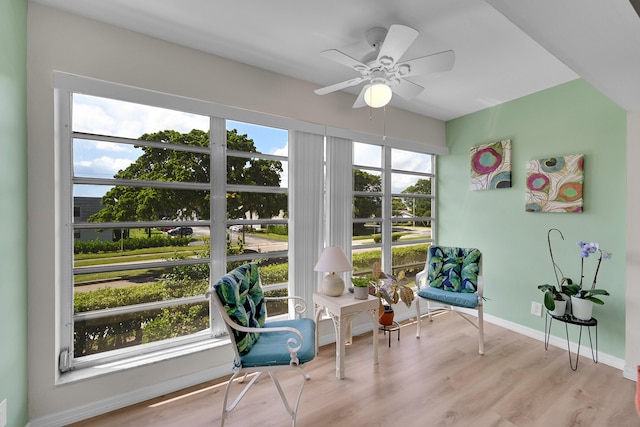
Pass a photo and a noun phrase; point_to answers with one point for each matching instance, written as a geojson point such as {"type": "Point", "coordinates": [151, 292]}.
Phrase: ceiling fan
{"type": "Point", "coordinates": [381, 70]}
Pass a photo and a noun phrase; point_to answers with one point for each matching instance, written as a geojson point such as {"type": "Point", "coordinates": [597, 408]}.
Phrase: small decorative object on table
{"type": "Point", "coordinates": [360, 287]}
{"type": "Point", "coordinates": [581, 299]}
{"type": "Point", "coordinates": [333, 260]}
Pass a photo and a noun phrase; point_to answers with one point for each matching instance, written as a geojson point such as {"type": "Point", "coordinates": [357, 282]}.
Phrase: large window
{"type": "Point", "coordinates": [393, 205]}
{"type": "Point", "coordinates": [158, 195]}
{"type": "Point", "coordinates": [154, 196]}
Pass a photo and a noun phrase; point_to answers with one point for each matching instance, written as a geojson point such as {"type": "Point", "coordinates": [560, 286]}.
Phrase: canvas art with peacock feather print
{"type": "Point", "coordinates": [491, 165]}
{"type": "Point", "coordinates": [554, 184]}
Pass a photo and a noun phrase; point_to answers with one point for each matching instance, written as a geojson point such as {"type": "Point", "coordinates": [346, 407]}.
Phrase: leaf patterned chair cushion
{"type": "Point", "coordinates": [243, 299]}
{"type": "Point", "coordinates": [453, 269]}
{"type": "Point", "coordinates": [452, 274]}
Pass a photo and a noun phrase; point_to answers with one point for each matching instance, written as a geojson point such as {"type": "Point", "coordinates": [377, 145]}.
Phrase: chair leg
{"type": "Point", "coordinates": [418, 323]}
{"type": "Point", "coordinates": [228, 408]}
{"type": "Point", "coordinates": [293, 412]}
{"type": "Point", "coordinates": [480, 330]}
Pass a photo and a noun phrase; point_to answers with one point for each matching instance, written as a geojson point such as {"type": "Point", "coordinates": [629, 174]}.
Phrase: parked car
{"type": "Point", "coordinates": [236, 227]}
{"type": "Point", "coordinates": [180, 231]}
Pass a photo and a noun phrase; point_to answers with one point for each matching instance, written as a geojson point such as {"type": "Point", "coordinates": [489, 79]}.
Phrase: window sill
{"type": "Point", "coordinates": [107, 368]}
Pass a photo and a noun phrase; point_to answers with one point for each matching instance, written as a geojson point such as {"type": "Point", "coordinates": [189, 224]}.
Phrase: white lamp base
{"type": "Point", "coordinates": [332, 285]}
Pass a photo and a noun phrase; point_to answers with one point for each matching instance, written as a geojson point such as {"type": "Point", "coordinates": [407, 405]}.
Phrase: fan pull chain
{"type": "Point", "coordinates": [384, 123]}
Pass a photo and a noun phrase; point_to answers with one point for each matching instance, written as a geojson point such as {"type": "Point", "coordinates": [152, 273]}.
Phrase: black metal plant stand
{"type": "Point", "coordinates": [568, 319]}
{"type": "Point", "coordinates": [395, 326]}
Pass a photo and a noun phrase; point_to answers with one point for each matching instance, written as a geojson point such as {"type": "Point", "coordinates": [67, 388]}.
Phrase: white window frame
{"type": "Point", "coordinates": [305, 172]}
{"type": "Point", "coordinates": [386, 219]}
{"type": "Point", "coordinates": [65, 86]}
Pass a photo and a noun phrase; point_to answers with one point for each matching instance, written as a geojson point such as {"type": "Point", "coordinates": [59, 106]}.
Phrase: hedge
{"type": "Point", "coordinates": [123, 330]}
{"type": "Point", "coordinates": [96, 246]}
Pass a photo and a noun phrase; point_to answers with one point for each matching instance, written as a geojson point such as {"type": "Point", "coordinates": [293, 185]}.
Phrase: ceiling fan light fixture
{"type": "Point", "coordinates": [377, 95]}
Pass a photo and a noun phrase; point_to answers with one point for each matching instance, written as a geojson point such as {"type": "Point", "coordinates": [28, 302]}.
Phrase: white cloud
{"type": "Point", "coordinates": [109, 146]}
{"type": "Point", "coordinates": [111, 117]}
{"type": "Point", "coordinates": [101, 167]}
{"type": "Point", "coordinates": [281, 151]}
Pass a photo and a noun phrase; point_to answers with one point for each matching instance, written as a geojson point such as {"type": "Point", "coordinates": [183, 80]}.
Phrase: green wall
{"type": "Point", "coordinates": [573, 118]}
{"type": "Point", "coordinates": [13, 211]}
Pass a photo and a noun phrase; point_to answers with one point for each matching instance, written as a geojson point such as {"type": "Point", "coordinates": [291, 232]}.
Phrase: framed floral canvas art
{"type": "Point", "coordinates": [555, 184]}
{"type": "Point", "coordinates": [491, 165]}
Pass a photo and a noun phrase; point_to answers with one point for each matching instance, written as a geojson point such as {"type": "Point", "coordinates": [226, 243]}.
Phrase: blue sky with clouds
{"type": "Point", "coordinates": [111, 117]}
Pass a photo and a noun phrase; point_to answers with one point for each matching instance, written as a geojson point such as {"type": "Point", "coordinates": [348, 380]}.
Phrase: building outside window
{"type": "Point", "coordinates": [141, 181]}
{"type": "Point", "coordinates": [160, 195]}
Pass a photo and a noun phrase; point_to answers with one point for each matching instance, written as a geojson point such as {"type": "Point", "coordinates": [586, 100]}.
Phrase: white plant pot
{"type": "Point", "coordinates": [361, 292]}
{"type": "Point", "coordinates": [560, 308]}
{"type": "Point", "coordinates": [582, 309]}
{"type": "Point", "coordinates": [567, 298]}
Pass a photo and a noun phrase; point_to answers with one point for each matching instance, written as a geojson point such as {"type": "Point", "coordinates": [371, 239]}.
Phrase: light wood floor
{"type": "Point", "coordinates": [438, 380]}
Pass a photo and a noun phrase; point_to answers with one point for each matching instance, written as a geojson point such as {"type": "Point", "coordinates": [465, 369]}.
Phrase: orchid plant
{"type": "Point", "coordinates": [564, 285]}
{"type": "Point", "coordinates": [585, 250]}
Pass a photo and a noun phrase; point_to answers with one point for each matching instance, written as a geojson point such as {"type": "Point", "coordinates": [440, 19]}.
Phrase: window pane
{"type": "Point", "coordinates": [409, 258]}
{"type": "Point", "coordinates": [367, 180]}
{"type": "Point", "coordinates": [411, 161]}
{"type": "Point", "coordinates": [363, 260]}
{"type": "Point", "coordinates": [252, 238]}
{"type": "Point", "coordinates": [365, 233]}
{"type": "Point", "coordinates": [125, 203]}
{"type": "Point", "coordinates": [125, 330]}
{"type": "Point", "coordinates": [408, 208]}
{"type": "Point", "coordinates": [110, 289]}
{"type": "Point", "coordinates": [105, 116]}
{"type": "Point", "coordinates": [255, 171]}
{"type": "Point", "coordinates": [256, 205]}
{"type": "Point", "coordinates": [367, 155]}
{"type": "Point", "coordinates": [367, 207]}
{"type": "Point", "coordinates": [256, 138]}
{"type": "Point", "coordinates": [100, 159]}
{"type": "Point", "coordinates": [410, 184]}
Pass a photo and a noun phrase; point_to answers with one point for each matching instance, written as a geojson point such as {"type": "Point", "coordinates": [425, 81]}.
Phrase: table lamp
{"type": "Point", "coordinates": [332, 260]}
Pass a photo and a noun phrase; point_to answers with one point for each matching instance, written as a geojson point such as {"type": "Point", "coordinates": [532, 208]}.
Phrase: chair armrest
{"type": "Point", "coordinates": [421, 279]}
{"type": "Point", "coordinates": [292, 346]}
{"type": "Point", "coordinates": [300, 305]}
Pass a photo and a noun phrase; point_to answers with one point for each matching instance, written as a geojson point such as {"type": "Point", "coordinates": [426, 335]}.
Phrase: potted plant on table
{"type": "Point", "coordinates": [360, 287]}
{"type": "Point", "coordinates": [565, 288]}
{"type": "Point", "coordinates": [390, 289]}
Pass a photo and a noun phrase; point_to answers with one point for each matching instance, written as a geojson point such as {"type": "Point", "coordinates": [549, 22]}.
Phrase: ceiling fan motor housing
{"type": "Point", "coordinates": [375, 37]}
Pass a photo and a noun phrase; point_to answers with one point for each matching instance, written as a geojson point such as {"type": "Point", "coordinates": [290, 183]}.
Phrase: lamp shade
{"type": "Point", "coordinates": [333, 259]}
{"type": "Point", "coordinates": [377, 95]}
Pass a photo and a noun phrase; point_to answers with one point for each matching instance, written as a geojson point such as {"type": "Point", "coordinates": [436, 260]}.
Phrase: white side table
{"type": "Point", "coordinates": [341, 309]}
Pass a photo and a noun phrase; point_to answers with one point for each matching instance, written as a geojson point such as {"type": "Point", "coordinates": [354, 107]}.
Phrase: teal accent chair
{"type": "Point", "coordinates": [452, 279]}
{"type": "Point", "coordinates": [261, 346]}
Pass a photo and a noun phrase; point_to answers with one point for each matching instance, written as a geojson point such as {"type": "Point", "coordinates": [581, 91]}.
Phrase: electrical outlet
{"type": "Point", "coordinates": [536, 308]}
{"type": "Point", "coordinates": [3, 413]}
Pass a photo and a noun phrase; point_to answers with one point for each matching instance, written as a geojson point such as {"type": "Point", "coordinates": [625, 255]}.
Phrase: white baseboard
{"type": "Point", "coordinates": [585, 350]}
{"type": "Point", "coordinates": [126, 399]}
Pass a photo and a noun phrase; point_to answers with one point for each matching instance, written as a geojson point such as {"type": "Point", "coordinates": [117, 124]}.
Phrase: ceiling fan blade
{"type": "Point", "coordinates": [406, 89]}
{"type": "Point", "coordinates": [360, 99]}
{"type": "Point", "coordinates": [344, 59]}
{"type": "Point", "coordinates": [396, 43]}
{"type": "Point", "coordinates": [338, 86]}
{"type": "Point", "coordinates": [437, 62]}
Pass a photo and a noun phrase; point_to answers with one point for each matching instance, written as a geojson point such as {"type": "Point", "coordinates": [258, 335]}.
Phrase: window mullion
{"type": "Point", "coordinates": [387, 225]}
{"type": "Point", "coordinates": [64, 242]}
{"type": "Point", "coordinates": [218, 209]}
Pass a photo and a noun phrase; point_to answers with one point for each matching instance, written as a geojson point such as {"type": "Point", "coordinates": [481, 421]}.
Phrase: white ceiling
{"type": "Point", "coordinates": [502, 46]}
